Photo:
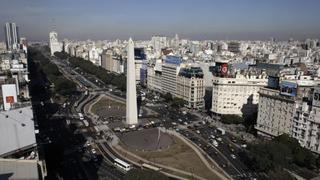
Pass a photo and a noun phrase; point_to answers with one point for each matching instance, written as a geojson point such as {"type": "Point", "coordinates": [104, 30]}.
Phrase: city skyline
{"type": "Point", "coordinates": [156, 90]}
{"type": "Point", "coordinates": [200, 20]}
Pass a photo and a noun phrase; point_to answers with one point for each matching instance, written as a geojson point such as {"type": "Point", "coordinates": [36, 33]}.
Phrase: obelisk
{"type": "Point", "coordinates": [132, 114]}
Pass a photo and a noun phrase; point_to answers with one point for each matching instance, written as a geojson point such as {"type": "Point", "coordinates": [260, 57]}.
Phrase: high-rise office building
{"type": "Point", "coordinates": [170, 70]}
{"type": "Point", "coordinates": [55, 45]}
{"type": "Point", "coordinates": [12, 36]}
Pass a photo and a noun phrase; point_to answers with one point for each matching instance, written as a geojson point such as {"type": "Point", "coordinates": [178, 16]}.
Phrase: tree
{"type": "Point", "coordinates": [280, 174]}
{"type": "Point", "coordinates": [231, 119]}
{"type": "Point", "coordinates": [64, 86]}
{"type": "Point", "coordinates": [249, 121]}
{"type": "Point", "coordinates": [318, 162]}
{"type": "Point", "coordinates": [167, 97]}
{"type": "Point", "coordinates": [178, 102]}
{"type": "Point", "coordinates": [118, 80]}
{"type": "Point", "coordinates": [61, 55]}
{"type": "Point", "coordinates": [282, 152]}
{"type": "Point", "coordinates": [51, 69]}
{"type": "Point", "coordinates": [208, 99]}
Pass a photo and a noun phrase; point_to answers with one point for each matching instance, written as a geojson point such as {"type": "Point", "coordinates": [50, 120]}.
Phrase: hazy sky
{"type": "Point", "coordinates": [193, 19]}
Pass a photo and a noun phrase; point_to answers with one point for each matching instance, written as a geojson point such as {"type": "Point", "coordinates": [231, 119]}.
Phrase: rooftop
{"type": "Point", "coordinates": [18, 169]}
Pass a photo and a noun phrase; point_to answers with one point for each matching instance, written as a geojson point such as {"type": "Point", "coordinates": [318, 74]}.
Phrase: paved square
{"type": "Point", "coordinates": [146, 140]}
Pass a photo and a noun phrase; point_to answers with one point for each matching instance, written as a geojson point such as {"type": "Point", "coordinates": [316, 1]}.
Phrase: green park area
{"type": "Point", "coordinates": [179, 156]}
{"type": "Point", "coordinates": [61, 85]}
{"type": "Point", "coordinates": [280, 154]}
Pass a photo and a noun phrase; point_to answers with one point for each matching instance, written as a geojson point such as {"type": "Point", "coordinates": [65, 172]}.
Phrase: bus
{"type": "Point", "coordinates": [81, 116]}
{"type": "Point", "coordinates": [86, 123]}
{"type": "Point", "coordinates": [221, 131]}
{"type": "Point", "coordinates": [148, 166]}
{"type": "Point", "coordinates": [122, 165]}
{"type": "Point", "coordinates": [97, 130]}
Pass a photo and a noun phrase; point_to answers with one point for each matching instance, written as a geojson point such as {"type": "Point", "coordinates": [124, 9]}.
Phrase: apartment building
{"type": "Point", "coordinates": [275, 113]}
{"type": "Point", "coordinates": [170, 70]}
{"type": "Point", "coordinates": [238, 95]}
{"type": "Point", "coordinates": [285, 109]}
{"type": "Point", "coordinates": [306, 122]}
{"type": "Point", "coordinates": [154, 77]}
{"type": "Point", "coordinates": [190, 86]}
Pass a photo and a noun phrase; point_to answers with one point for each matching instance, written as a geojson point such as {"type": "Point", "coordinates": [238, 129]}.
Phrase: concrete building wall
{"type": "Point", "coordinates": [191, 90]}
{"type": "Point", "coordinates": [154, 81]}
{"type": "Point", "coordinates": [169, 78]}
{"type": "Point", "coordinates": [275, 113]}
{"type": "Point", "coordinates": [236, 95]}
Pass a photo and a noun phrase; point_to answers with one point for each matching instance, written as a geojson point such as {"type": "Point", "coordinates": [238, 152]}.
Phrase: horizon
{"type": "Point", "coordinates": [200, 20]}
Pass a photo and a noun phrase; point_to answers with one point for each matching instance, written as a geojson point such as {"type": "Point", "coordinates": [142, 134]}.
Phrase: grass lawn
{"type": "Point", "coordinates": [179, 156]}
{"type": "Point", "coordinates": [106, 103]}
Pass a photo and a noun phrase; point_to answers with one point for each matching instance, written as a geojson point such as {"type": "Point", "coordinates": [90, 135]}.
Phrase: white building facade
{"type": "Point", "coordinates": [55, 45]}
{"type": "Point", "coordinates": [190, 87]}
{"type": "Point", "coordinates": [275, 113]}
{"type": "Point", "coordinates": [236, 95]}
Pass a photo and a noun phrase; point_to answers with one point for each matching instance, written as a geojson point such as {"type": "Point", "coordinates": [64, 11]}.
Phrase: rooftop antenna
{"type": "Point", "coordinates": [53, 24]}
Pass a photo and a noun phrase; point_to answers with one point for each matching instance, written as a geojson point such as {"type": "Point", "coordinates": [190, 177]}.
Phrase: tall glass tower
{"type": "Point", "coordinates": [12, 36]}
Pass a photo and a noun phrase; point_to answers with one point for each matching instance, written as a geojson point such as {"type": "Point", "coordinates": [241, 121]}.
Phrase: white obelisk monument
{"type": "Point", "coordinates": [132, 114]}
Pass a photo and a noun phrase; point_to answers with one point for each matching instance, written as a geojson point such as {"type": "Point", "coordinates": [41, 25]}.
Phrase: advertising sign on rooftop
{"type": "Point", "coordinates": [288, 88]}
{"type": "Point", "coordinates": [9, 94]}
{"type": "Point", "coordinates": [139, 54]}
{"type": "Point", "coordinates": [316, 97]}
{"type": "Point", "coordinates": [221, 69]}
{"type": "Point", "coordinates": [173, 60]}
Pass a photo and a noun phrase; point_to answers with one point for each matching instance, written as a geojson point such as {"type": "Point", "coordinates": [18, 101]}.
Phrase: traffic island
{"type": "Point", "coordinates": [166, 151]}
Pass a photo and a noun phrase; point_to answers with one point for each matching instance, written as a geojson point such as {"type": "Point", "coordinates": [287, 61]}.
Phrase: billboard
{"type": "Point", "coordinates": [316, 97]}
{"type": "Point", "coordinates": [9, 95]}
{"type": "Point", "coordinates": [288, 88]}
{"type": "Point", "coordinates": [143, 76]}
{"type": "Point", "coordinates": [221, 69]}
{"type": "Point", "coordinates": [10, 99]}
{"type": "Point", "coordinates": [139, 54]}
{"type": "Point", "coordinates": [173, 60]}
{"type": "Point", "coordinates": [273, 82]}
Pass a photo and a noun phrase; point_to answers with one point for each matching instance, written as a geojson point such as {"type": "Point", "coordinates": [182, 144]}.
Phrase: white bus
{"type": "Point", "coordinates": [81, 116]}
{"type": "Point", "coordinates": [148, 166]}
{"type": "Point", "coordinates": [86, 123]}
{"type": "Point", "coordinates": [122, 165]}
{"type": "Point", "coordinates": [97, 130]}
{"type": "Point", "coordinates": [221, 131]}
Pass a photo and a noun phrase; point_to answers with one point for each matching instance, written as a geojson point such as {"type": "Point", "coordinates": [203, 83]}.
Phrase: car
{"type": "Point", "coordinates": [95, 159]}
{"type": "Point", "coordinates": [198, 132]}
{"type": "Point", "coordinates": [243, 145]}
{"type": "Point", "coordinates": [93, 151]}
{"type": "Point", "coordinates": [215, 143]}
{"type": "Point", "coordinates": [219, 139]}
{"type": "Point", "coordinates": [233, 156]}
